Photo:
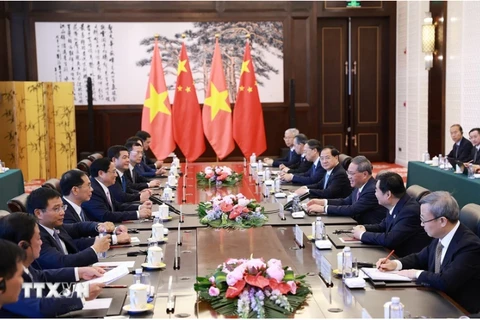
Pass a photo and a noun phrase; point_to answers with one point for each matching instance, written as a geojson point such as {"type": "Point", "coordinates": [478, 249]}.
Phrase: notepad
{"type": "Point", "coordinates": [349, 240]}
{"type": "Point", "coordinates": [113, 264]}
{"type": "Point", "coordinates": [111, 275]}
{"type": "Point", "coordinates": [378, 275]}
{"type": "Point", "coordinates": [102, 303]}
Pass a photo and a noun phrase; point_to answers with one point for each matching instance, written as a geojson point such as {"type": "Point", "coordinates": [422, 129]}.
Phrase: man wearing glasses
{"type": "Point", "coordinates": [451, 263]}
{"type": "Point", "coordinates": [63, 245]}
{"type": "Point", "coordinates": [292, 157]}
{"type": "Point", "coordinates": [361, 204]}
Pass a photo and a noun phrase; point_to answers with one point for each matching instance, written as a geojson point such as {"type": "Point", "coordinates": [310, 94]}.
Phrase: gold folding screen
{"type": "Point", "coordinates": [37, 128]}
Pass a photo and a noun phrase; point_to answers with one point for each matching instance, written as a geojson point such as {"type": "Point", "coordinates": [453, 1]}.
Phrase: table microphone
{"type": "Point", "coordinates": [158, 201]}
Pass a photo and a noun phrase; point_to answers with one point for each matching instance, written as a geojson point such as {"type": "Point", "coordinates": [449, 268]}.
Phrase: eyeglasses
{"type": "Point", "coordinates": [58, 209]}
{"type": "Point", "coordinates": [350, 173]}
{"type": "Point", "coordinates": [326, 158]}
{"type": "Point", "coordinates": [427, 221]}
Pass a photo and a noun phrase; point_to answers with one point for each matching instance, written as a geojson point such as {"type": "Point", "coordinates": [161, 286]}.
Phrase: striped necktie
{"type": "Point", "coordinates": [438, 257]}
{"type": "Point", "coordinates": [57, 239]}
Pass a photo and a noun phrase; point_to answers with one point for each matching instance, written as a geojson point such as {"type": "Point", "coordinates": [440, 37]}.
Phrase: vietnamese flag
{"type": "Point", "coordinates": [187, 123]}
{"type": "Point", "coordinates": [157, 112]}
{"type": "Point", "coordinates": [248, 125]}
{"type": "Point", "coordinates": [216, 113]}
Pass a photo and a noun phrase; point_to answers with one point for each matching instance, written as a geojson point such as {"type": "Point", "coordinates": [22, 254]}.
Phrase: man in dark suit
{"type": "Point", "coordinates": [401, 229]}
{"type": "Point", "coordinates": [361, 204]}
{"type": "Point", "coordinates": [76, 189]}
{"type": "Point", "coordinates": [315, 173]}
{"type": "Point", "coordinates": [135, 181]}
{"type": "Point", "coordinates": [147, 139]}
{"type": "Point", "coordinates": [11, 270]}
{"type": "Point", "coordinates": [22, 229]}
{"type": "Point", "coordinates": [461, 146]}
{"type": "Point", "coordinates": [303, 164]}
{"type": "Point", "coordinates": [59, 249]}
{"type": "Point", "coordinates": [121, 190]}
{"type": "Point", "coordinates": [451, 263]}
{"type": "Point", "coordinates": [475, 151]}
{"type": "Point", "coordinates": [335, 183]}
{"type": "Point", "coordinates": [101, 206]}
{"type": "Point", "coordinates": [142, 168]}
{"type": "Point", "coordinates": [292, 157]}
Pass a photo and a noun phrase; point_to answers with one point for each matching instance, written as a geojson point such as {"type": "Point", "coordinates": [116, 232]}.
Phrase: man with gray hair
{"type": "Point", "coordinates": [451, 263]}
{"type": "Point", "coordinates": [361, 204]}
{"type": "Point", "coordinates": [292, 157]}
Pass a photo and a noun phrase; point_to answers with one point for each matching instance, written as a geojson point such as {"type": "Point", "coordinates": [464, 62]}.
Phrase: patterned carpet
{"type": "Point", "coordinates": [380, 166]}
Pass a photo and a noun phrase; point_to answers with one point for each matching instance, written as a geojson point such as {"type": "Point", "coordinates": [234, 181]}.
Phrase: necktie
{"type": "Point", "coordinates": [124, 183]}
{"type": "Point", "coordinates": [57, 239]}
{"type": "Point", "coordinates": [475, 157]}
{"type": "Point", "coordinates": [438, 257]}
{"type": "Point", "coordinates": [313, 170]}
{"type": "Point", "coordinates": [82, 216]}
{"type": "Point", "coordinates": [133, 175]}
{"type": "Point", "coordinates": [109, 199]}
{"type": "Point", "coordinates": [456, 150]}
{"type": "Point", "coordinates": [358, 195]}
{"type": "Point", "coordinates": [326, 180]}
{"type": "Point", "coordinates": [290, 156]}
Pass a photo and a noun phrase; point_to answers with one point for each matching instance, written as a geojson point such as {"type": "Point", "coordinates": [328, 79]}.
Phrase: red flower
{"type": "Point", "coordinates": [234, 214]}
{"type": "Point", "coordinates": [226, 207]}
{"type": "Point", "coordinates": [235, 290]}
{"type": "Point", "coordinates": [283, 287]}
{"type": "Point", "coordinates": [257, 281]}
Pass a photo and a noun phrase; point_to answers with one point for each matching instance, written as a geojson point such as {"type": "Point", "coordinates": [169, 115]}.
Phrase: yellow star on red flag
{"type": "Point", "coordinates": [217, 101]}
{"type": "Point", "coordinates": [156, 103]}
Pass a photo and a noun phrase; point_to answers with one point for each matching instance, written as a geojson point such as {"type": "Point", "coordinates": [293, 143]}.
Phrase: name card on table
{"type": "Point", "coordinates": [281, 213]}
{"type": "Point", "coordinates": [326, 271]}
{"type": "Point", "coordinates": [298, 236]}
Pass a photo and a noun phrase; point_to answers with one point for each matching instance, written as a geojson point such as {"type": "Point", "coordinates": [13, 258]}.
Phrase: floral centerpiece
{"type": "Point", "coordinates": [219, 175]}
{"type": "Point", "coordinates": [251, 288]}
{"type": "Point", "coordinates": [231, 211]}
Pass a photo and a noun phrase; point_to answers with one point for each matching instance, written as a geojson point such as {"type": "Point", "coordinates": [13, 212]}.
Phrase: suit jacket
{"type": "Point", "coordinates": [45, 307]}
{"type": "Point", "coordinates": [149, 162]}
{"type": "Point", "coordinates": [364, 210]}
{"type": "Point", "coordinates": [98, 208]}
{"type": "Point", "coordinates": [139, 184]}
{"type": "Point", "coordinates": [458, 277]}
{"type": "Point", "coordinates": [291, 158]}
{"type": "Point", "coordinates": [52, 256]}
{"type": "Point", "coordinates": [71, 216]}
{"type": "Point", "coordinates": [144, 170]}
{"type": "Point", "coordinates": [116, 190]}
{"type": "Point", "coordinates": [313, 175]}
{"type": "Point", "coordinates": [475, 155]}
{"type": "Point", "coordinates": [400, 230]}
{"type": "Point", "coordinates": [300, 167]}
{"type": "Point", "coordinates": [338, 185]}
{"type": "Point", "coordinates": [462, 152]}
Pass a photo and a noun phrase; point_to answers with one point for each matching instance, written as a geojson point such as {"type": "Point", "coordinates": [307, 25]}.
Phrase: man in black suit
{"type": "Point", "coordinates": [335, 183]}
{"type": "Point", "coordinates": [292, 157]}
{"type": "Point", "coordinates": [401, 229]}
{"type": "Point", "coordinates": [147, 139]}
{"type": "Point", "coordinates": [121, 190]}
{"type": "Point", "coordinates": [22, 229]}
{"type": "Point", "coordinates": [303, 164]}
{"type": "Point", "coordinates": [135, 181]}
{"type": "Point", "coordinates": [361, 204]}
{"type": "Point", "coordinates": [101, 206]}
{"type": "Point", "coordinates": [315, 173]}
{"type": "Point", "coordinates": [142, 168]}
{"type": "Point", "coordinates": [59, 249]}
{"type": "Point", "coordinates": [11, 270]}
{"type": "Point", "coordinates": [461, 146]}
{"type": "Point", "coordinates": [475, 151]}
{"type": "Point", "coordinates": [451, 263]}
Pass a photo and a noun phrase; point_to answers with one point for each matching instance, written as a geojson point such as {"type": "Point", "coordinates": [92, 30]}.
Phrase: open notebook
{"type": "Point", "coordinates": [377, 275]}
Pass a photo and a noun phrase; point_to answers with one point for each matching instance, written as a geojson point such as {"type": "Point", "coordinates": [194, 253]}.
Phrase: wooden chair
{"type": "Point", "coordinates": [417, 192]}
{"type": "Point", "coordinates": [18, 204]}
{"type": "Point", "coordinates": [84, 165]}
{"type": "Point", "coordinates": [470, 217]}
{"type": "Point", "coordinates": [95, 156]}
{"type": "Point", "coordinates": [344, 160]}
{"type": "Point", "coordinates": [52, 184]}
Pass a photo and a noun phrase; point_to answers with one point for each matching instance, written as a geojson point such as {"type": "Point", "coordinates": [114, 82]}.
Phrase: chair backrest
{"type": "Point", "coordinates": [52, 184]}
{"type": "Point", "coordinates": [4, 213]}
{"type": "Point", "coordinates": [18, 204]}
{"type": "Point", "coordinates": [95, 156]}
{"type": "Point", "coordinates": [470, 217]}
{"type": "Point", "coordinates": [84, 165]}
{"type": "Point", "coordinates": [417, 192]}
{"type": "Point", "coordinates": [344, 160]}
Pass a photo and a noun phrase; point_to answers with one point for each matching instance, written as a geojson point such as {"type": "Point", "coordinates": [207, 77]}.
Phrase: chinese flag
{"type": "Point", "coordinates": [157, 112]}
{"type": "Point", "coordinates": [187, 123]}
{"type": "Point", "coordinates": [248, 126]}
{"type": "Point", "coordinates": [216, 113]}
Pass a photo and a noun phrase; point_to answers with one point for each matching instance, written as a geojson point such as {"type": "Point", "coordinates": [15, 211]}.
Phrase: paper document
{"type": "Point", "coordinates": [103, 303]}
{"type": "Point", "coordinates": [111, 275]}
{"type": "Point", "coordinates": [349, 240]}
{"type": "Point", "coordinates": [376, 274]}
{"type": "Point", "coordinates": [134, 240]}
{"type": "Point", "coordinates": [113, 264]}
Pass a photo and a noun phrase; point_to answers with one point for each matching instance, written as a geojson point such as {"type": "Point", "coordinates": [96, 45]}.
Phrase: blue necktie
{"type": "Point", "coordinates": [57, 239]}
{"type": "Point", "coordinates": [326, 180]}
{"type": "Point", "coordinates": [124, 183]}
{"type": "Point", "coordinates": [290, 156]}
{"type": "Point", "coordinates": [82, 216]}
{"type": "Point", "coordinates": [313, 171]}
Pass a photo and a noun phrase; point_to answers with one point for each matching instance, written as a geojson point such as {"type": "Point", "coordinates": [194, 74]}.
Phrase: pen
{"type": "Point", "coordinates": [115, 286]}
{"type": "Point", "coordinates": [384, 260]}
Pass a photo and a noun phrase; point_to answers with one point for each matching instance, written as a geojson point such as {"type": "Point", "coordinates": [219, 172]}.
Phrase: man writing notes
{"type": "Point", "coordinates": [451, 263]}
{"type": "Point", "coordinates": [401, 229]}
{"type": "Point", "coordinates": [361, 204]}
{"type": "Point", "coordinates": [292, 157]}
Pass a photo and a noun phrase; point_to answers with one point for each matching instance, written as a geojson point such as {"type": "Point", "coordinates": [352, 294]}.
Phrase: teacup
{"type": "Point", "coordinates": [157, 231]}
{"type": "Point", "coordinates": [138, 296]}
{"type": "Point", "coordinates": [155, 256]}
{"type": "Point", "coordinates": [163, 211]}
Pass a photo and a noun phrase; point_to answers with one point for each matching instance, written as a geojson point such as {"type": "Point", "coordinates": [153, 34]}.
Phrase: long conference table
{"type": "Point", "coordinates": [203, 249]}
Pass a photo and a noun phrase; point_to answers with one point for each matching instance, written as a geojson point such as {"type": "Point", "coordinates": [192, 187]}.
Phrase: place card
{"type": "Point", "coordinates": [326, 271]}
{"type": "Point", "coordinates": [281, 212]}
{"type": "Point", "coordinates": [298, 236]}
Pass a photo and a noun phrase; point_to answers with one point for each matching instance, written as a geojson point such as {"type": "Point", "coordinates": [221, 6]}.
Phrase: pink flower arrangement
{"type": "Point", "coordinates": [219, 175]}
